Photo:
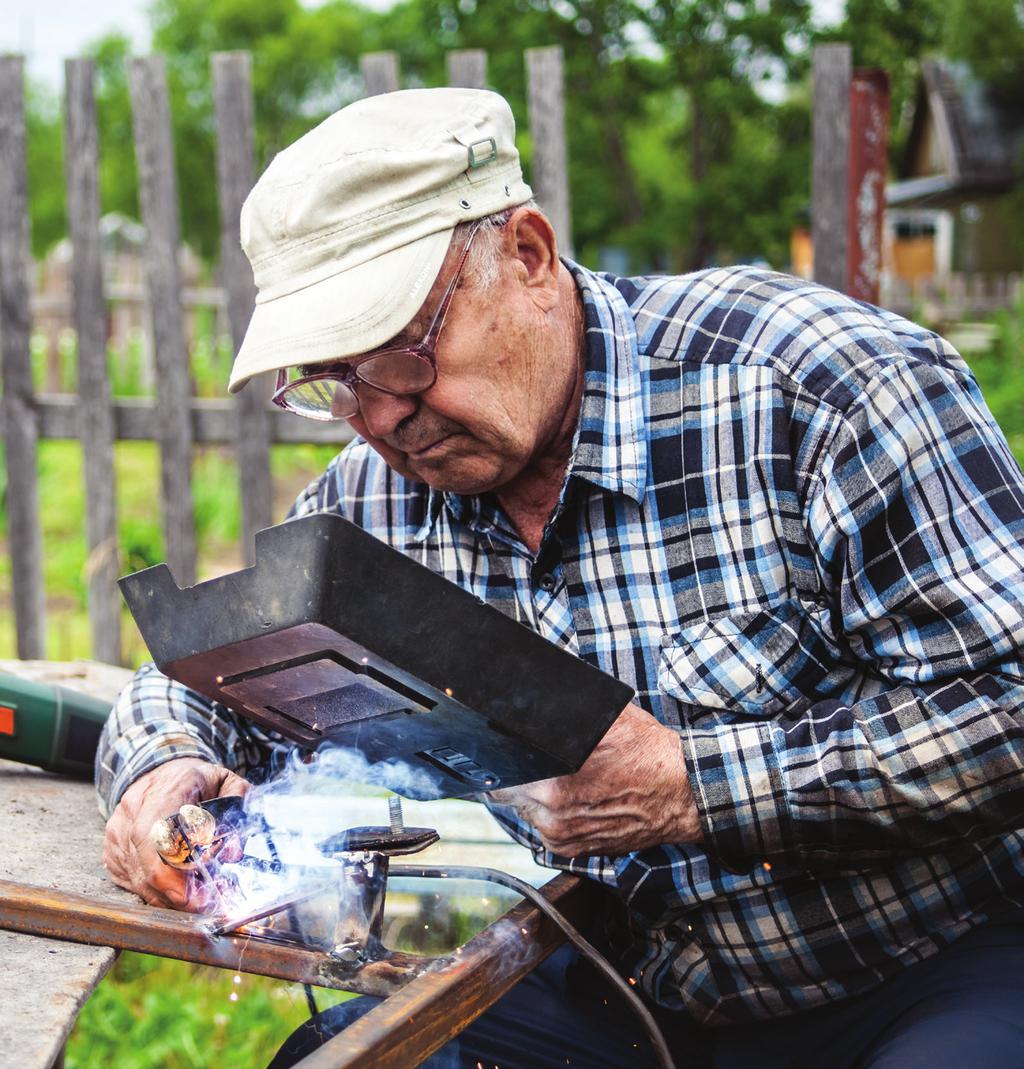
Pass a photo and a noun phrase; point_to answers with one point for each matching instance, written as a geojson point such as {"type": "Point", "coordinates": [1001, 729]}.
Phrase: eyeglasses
{"type": "Point", "coordinates": [331, 394]}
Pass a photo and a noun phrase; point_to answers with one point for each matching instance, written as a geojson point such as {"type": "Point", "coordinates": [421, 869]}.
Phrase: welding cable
{"type": "Point", "coordinates": [590, 952]}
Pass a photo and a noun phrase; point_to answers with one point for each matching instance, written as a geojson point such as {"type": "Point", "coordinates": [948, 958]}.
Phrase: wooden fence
{"type": "Point", "coordinates": [175, 419]}
{"type": "Point", "coordinates": [952, 299]}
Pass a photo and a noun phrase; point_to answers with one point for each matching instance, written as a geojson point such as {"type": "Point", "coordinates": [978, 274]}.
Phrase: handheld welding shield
{"type": "Point", "coordinates": [334, 637]}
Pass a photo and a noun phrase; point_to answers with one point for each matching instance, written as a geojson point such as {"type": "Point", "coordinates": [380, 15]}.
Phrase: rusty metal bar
{"type": "Point", "coordinates": [430, 1010]}
{"type": "Point", "coordinates": [170, 934]}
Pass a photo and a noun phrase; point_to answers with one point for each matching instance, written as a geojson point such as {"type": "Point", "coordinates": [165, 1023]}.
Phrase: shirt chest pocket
{"type": "Point", "coordinates": [758, 664]}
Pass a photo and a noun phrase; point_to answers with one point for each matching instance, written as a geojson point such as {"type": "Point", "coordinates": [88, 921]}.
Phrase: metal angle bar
{"type": "Point", "coordinates": [430, 1010]}
{"type": "Point", "coordinates": [186, 936]}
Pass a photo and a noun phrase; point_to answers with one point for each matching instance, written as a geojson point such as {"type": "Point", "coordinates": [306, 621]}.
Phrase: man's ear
{"type": "Point", "coordinates": [533, 248]}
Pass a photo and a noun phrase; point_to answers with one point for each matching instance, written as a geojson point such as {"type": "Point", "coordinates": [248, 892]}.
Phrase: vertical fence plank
{"type": "Point", "coordinates": [380, 72]}
{"type": "Point", "coordinates": [232, 94]}
{"type": "Point", "coordinates": [95, 414]}
{"type": "Point", "coordinates": [19, 419]}
{"type": "Point", "coordinates": [467, 69]}
{"type": "Point", "coordinates": [158, 194]}
{"type": "Point", "coordinates": [830, 175]}
{"type": "Point", "coordinates": [545, 91]}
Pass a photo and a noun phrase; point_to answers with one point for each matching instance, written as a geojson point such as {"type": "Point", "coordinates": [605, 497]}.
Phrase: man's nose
{"type": "Point", "coordinates": [382, 412]}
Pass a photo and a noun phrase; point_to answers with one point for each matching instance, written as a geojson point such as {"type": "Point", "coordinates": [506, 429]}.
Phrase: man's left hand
{"type": "Point", "coordinates": [632, 792]}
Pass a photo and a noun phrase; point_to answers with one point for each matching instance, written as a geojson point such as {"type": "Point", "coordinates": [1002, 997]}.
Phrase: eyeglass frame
{"type": "Point", "coordinates": [425, 349]}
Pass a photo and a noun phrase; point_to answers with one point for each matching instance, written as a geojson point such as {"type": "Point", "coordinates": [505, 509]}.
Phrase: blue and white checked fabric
{"type": "Point", "coordinates": [793, 527]}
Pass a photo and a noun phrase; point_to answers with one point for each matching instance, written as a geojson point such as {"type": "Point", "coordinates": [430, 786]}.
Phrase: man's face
{"type": "Point", "coordinates": [498, 399]}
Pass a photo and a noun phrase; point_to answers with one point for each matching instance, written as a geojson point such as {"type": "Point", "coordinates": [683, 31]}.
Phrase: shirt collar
{"type": "Point", "coordinates": [610, 445]}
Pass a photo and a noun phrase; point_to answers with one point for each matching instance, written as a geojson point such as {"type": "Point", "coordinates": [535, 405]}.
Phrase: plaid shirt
{"type": "Point", "coordinates": [792, 525]}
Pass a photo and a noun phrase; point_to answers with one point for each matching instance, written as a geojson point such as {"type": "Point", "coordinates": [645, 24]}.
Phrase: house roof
{"type": "Point", "coordinates": [980, 139]}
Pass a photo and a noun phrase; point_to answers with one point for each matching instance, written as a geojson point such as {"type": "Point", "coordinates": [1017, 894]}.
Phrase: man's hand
{"type": "Point", "coordinates": [129, 855]}
{"type": "Point", "coordinates": [632, 792]}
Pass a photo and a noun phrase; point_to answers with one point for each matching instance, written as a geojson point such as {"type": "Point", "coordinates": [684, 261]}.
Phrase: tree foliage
{"type": "Point", "coordinates": [688, 121]}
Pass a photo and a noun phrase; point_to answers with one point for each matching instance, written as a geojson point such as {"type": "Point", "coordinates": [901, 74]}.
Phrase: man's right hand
{"type": "Point", "coordinates": [129, 855]}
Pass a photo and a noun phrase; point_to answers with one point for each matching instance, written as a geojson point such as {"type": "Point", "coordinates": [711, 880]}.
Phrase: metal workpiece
{"type": "Point", "coordinates": [350, 954]}
{"type": "Point", "coordinates": [186, 936]}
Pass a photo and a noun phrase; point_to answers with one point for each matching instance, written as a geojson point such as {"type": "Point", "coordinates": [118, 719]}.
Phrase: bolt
{"type": "Point", "coordinates": [395, 815]}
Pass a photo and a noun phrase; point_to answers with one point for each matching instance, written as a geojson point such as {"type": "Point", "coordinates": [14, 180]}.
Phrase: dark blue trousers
{"type": "Point", "coordinates": [963, 1008]}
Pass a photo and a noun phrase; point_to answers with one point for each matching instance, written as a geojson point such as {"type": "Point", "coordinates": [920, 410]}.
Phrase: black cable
{"type": "Point", "coordinates": [310, 1000]}
{"type": "Point", "coordinates": [591, 953]}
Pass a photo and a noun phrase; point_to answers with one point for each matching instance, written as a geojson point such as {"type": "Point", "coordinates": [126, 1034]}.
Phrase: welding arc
{"type": "Point", "coordinates": [226, 927]}
{"type": "Point", "coordinates": [588, 950]}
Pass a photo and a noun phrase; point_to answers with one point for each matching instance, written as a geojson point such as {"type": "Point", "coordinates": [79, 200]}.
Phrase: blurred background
{"type": "Point", "coordinates": [688, 134]}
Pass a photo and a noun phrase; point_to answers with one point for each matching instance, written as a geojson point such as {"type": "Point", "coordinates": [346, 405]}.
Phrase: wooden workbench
{"type": "Point", "coordinates": [51, 834]}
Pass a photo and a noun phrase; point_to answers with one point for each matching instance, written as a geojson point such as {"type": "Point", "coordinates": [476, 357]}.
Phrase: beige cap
{"type": "Point", "coordinates": [348, 227]}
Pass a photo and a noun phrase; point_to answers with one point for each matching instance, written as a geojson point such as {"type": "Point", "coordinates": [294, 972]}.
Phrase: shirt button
{"type": "Point", "coordinates": [666, 641]}
{"type": "Point", "coordinates": [547, 582]}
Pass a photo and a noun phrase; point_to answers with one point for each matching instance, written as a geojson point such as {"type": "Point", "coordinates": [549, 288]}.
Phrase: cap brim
{"type": "Point", "coordinates": [342, 315]}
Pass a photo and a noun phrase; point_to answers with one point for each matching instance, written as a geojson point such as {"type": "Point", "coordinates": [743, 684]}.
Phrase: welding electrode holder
{"type": "Point", "coordinates": [365, 854]}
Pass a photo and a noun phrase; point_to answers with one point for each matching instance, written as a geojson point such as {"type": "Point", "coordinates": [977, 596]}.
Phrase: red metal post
{"type": "Point", "coordinates": [869, 143]}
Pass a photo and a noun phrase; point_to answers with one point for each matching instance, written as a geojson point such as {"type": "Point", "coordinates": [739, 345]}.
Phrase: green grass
{"type": "Point", "coordinates": [154, 1013]}
{"type": "Point", "coordinates": [140, 538]}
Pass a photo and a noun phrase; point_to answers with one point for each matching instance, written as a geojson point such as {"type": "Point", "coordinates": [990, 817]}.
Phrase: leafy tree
{"type": "Point", "coordinates": [675, 155]}
{"type": "Point", "coordinates": [717, 51]}
{"type": "Point", "coordinates": [656, 92]}
{"type": "Point", "coordinates": [894, 35]}
{"type": "Point", "coordinates": [989, 34]}
{"type": "Point", "coordinates": [44, 165]}
{"type": "Point", "coordinates": [119, 182]}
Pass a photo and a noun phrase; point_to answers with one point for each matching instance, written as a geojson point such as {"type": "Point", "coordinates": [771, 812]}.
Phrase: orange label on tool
{"type": "Point", "coordinates": [6, 720]}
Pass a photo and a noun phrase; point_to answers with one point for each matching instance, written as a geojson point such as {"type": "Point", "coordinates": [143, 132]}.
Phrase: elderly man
{"type": "Point", "coordinates": [785, 518]}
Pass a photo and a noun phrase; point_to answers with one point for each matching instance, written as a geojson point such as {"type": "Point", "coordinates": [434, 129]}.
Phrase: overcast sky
{"type": "Point", "coordinates": [48, 31]}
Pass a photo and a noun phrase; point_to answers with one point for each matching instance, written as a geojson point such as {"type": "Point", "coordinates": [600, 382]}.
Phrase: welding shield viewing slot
{"type": "Point", "coordinates": [320, 691]}
{"type": "Point", "coordinates": [334, 637]}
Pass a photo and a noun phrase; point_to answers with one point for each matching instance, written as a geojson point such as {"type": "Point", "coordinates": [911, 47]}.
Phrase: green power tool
{"type": "Point", "coordinates": [49, 725]}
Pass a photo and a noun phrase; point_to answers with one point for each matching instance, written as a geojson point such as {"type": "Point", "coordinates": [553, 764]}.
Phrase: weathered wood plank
{"type": "Point", "coordinates": [95, 417]}
{"type": "Point", "coordinates": [830, 168]}
{"type": "Point", "coordinates": [16, 404]}
{"type": "Point", "coordinates": [232, 94]}
{"type": "Point", "coordinates": [213, 422]}
{"type": "Point", "coordinates": [545, 90]}
{"type": "Point", "coordinates": [380, 72]}
{"type": "Point", "coordinates": [158, 193]}
{"type": "Point", "coordinates": [468, 68]}
{"type": "Point", "coordinates": [48, 980]}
